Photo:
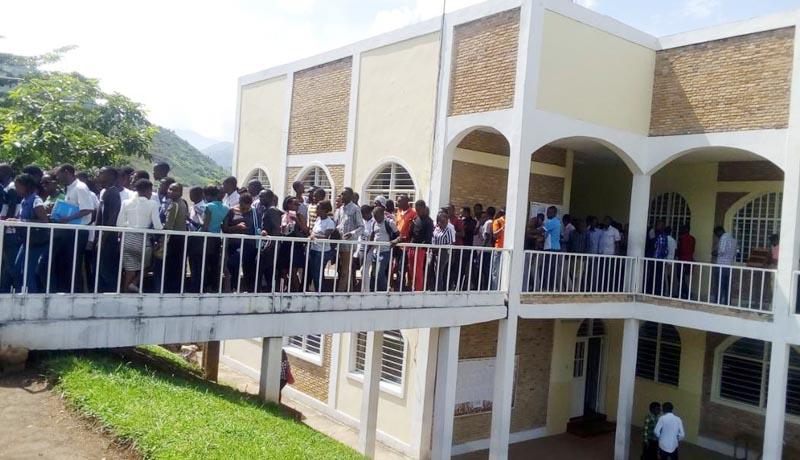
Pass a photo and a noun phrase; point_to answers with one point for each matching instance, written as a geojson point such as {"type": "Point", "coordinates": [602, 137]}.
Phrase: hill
{"type": "Point", "coordinates": [189, 166]}
{"type": "Point", "coordinates": [221, 153]}
{"type": "Point", "coordinates": [199, 141]}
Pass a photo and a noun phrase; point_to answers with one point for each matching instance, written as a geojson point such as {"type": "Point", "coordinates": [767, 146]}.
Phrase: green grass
{"type": "Point", "coordinates": [169, 358]}
{"type": "Point", "coordinates": [170, 418]}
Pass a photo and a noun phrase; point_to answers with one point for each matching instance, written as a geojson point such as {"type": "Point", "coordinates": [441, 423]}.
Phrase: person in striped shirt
{"type": "Point", "coordinates": [444, 234]}
{"type": "Point", "coordinates": [726, 256]}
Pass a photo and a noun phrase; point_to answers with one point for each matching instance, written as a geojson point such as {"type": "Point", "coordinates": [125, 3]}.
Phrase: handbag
{"type": "Point", "coordinates": [289, 376]}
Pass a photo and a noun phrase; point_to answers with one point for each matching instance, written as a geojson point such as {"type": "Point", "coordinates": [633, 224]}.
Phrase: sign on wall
{"type": "Point", "coordinates": [475, 388]}
{"type": "Point", "coordinates": [541, 208]}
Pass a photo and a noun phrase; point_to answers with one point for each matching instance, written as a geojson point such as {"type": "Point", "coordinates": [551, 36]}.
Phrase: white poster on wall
{"type": "Point", "coordinates": [541, 208]}
{"type": "Point", "coordinates": [475, 388]}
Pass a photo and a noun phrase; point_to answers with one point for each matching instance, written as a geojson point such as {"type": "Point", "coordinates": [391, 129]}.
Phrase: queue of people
{"type": "Point", "coordinates": [219, 241]}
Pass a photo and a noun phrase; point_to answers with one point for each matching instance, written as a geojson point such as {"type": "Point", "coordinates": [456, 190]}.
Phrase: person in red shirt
{"type": "Point", "coordinates": [685, 253]}
{"type": "Point", "coordinates": [404, 216]}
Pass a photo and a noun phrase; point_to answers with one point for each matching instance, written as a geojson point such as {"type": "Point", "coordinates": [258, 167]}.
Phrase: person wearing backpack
{"type": "Point", "coordinates": [383, 230]}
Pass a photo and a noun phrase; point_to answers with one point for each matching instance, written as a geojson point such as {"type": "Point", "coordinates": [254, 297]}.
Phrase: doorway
{"type": "Point", "coordinates": [587, 372]}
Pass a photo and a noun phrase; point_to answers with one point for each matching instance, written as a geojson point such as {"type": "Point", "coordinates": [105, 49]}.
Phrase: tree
{"type": "Point", "coordinates": [54, 118]}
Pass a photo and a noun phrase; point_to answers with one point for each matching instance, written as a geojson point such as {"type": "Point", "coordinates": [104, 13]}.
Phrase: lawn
{"type": "Point", "coordinates": [167, 417]}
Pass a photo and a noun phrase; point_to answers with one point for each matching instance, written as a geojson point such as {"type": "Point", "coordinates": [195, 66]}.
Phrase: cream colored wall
{"type": "Point", "coordinates": [687, 397]}
{"type": "Point", "coordinates": [601, 190]}
{"type": "Point", "coordinates": [594, 76]}
{"type": "Point", "coordinates": [246, 351]}
{"type": "Point", "coordinates": [394, 412]}
{"type": "Point", "coordinates": [561, 368]}
{"type": "Point", "coordinates": [396, 109]}
{"type": "Point", "coordinates": [262, 115]}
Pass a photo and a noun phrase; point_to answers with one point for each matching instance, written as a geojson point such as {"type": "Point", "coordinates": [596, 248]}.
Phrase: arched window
{"type": "Point", "coordinates": [670, 207]}
{"type": "Point", "coordinates": [754, 223]}
{"type": "Point", "coordinates": [261, 176]}
{"type": "Point", "coordinates": [392, 361]}
{"type": "Point", "coordinates": [742, 372]}
{"type": "Point", "coordinates": [391, 181]}
{"type": "Point", "coordinates": [592, 328]}
{"type": "Point", "coordinates": [315, 176]}
{"type": "Point", "coordinates": [659, 355]}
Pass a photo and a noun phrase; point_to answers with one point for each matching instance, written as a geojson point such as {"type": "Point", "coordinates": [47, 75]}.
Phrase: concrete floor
{"type": "Point", "coordinates": [570, 447]}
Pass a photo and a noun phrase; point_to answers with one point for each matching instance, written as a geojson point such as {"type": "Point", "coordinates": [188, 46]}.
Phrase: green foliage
{"type": "Point", "coordinates": [161, 354]}
{"type": "Point", "coordinates": [56, 118]}
{"type": "Point", "coordinates": [189, 166]}
{"type": "Point", "coordinates": [170, 418]}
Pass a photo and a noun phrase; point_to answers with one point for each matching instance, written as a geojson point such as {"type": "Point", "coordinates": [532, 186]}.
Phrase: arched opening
{"type": "Point", "coordinates": [390, 181]}
{"type": "Point", "coordinates": [259, 175]}
{"type": "Point", "coordinates": [659, 353]}
{"type": "Point", "coordinates": [317, 176]}
{"type": "Point", "coordinates": [671, 208]}
{"type": "Point", "coordinates": [479, 173]}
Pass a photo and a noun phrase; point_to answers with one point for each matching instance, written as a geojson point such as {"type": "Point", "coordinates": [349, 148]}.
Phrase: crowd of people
{"type": "Point", "coordinates": [223, 238]}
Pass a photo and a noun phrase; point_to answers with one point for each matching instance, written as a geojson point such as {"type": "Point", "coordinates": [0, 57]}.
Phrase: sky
{"type": "Point", "coordinates": [181, 58]}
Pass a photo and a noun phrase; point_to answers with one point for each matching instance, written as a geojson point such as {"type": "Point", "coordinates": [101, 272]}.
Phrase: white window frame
{"type": "Point", "coordinates": [323, 170]}
{"type": "Point", "coordinates": [759, 200]}
{"type": "Point", "coordinates": [659, 341]}
{"type": "Point", "coordinates": [257, 173]}
{"type": "Point", "coordinates": [394, 164]}
{"type": "Point", "coordinates": [717, 377]}
{"type": "Point", "coordinates": [302, 352]}
{"type": "Point", "coordinates": [671, 218]}
{"type": "Point", "coordinates": [394, 389]}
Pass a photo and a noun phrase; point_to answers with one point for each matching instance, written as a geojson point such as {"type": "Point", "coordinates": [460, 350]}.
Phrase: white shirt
{"type": "Point", "coordinates": [125, 194]}
{"type": "Point", "coordinates": [726, 250]}
{"type": "Point", "coordinates": [231, 199]}
{"type": "Point", "coordinates": [669, 431]}
{"type": "Point", "coordinates": [79, 195]}
{"type": "Point", "coordinates": [321, 227]}
{"type": "Point", "coordinates": [672, 246]}
{"type": "Point", "coordinates": [379, 233]}
{"type": "Point", "coordinates": [139, 212]}
{"type": "Point", "coordinates": [608, 239]}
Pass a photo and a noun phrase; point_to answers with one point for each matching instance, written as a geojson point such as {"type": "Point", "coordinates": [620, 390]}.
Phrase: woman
{"type": "Point", "coordinates": [176, 216]}
{"type": "Point", "coordinates": [213, 217]}
{"type": "Point", "coordinates": [242, 219]}
{"type": "Point", "coordinates": [292, 254]}
{"type": "Point", "coordinates": [137, 212]}
{"type": "Point", "coordinates": [444, 234]}
{"type": "Point", "coordinates": [320, 253]}
{"type": "Point", "coordinates": [33, 242]}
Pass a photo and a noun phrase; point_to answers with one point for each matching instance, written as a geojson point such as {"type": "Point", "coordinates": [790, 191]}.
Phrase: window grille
{"type": "Point", "coordinates": [311, 344]}
{"type": "Point", "coordinates": [592, 328]}
{"type": "Point", "coordinates": [659, 354]}
{"type": "Point", "coordinates": [391, 181]}
{"type": "Point", "coordinates": [260, 175]}
{"type": "Point", "coordinates": [672, 208]}
{"type": "Point", "coordinates": [755, 222]}
{"type": "Point", "coordinates": [392, 360]}
{"type": "Point", "coordinates": [317, 177]}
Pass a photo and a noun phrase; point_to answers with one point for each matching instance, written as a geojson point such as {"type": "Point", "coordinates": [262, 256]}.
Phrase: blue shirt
{"type": "Point", "coordinates": [594, 241]}
{"type": "Point", "coordinates": [218, 212]}
{"type": "Point", "coordinates": [552, 231]}
{"type": "Point", "coordinates": [662, 246]}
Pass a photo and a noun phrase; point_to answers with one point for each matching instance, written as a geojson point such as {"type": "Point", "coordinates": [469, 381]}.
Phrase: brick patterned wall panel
{"type": "Point", "coordinates": [472, 183]}
{"type": "Point", "coordinates": [337, 174]}
{"type": "Point", "coordinates": [748, 171]}
{"type": "Point", "coordinates": [485, 141]}
{"type": "Point", "coordinates": [551, 155]}
{"type": "Point", "coordinates": [484, 64]}
{"type": "Point", "coordinates": [722, 422]}
{"type": "Point", "coordinates": [311, 378]}
{"type": "Point", "coordinates": [733, 84]}
{"type": "Point", "coordinates": [546, 189]}
{"type": "Point", "coordinates": [320, 106]}
{"type": "Point", "coordinates": [291, 174]}
{"type": "Point", "coordinates": [534, 350]}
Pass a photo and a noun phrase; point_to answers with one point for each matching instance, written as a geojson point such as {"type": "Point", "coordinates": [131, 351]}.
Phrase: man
{"type": "Point", "coordinates": [230, 188]}
{"type": "Point", "coordinates": [567, 227]}
{"type": "Point", "coordinates": [302, 204]}
{"type": "Point", "coordinates": [317, 197]}
{"type": "Point", "coordinates": [10, 200]}
{"type": "Point", "coordinates": [254, 188]}
{"type": "Point", "coordinates": [108, 242]}
{"type": "Point", "coordinates": [270, 226]}
{"type": "Point", "coordinates": [421, 232]}
{"type": "Point", "coordinates": [685, 253]}
{"type": "Point", "coordinates": [164, 199]}
{"type": "Point", "coordinates": [383, 230]}
{"type": "Point", "coordinates": [726, 256]}
{"type": "Point", "coordinates": [457, 224]}
{"type": "Point", "coordinates": [650, 447]}
{"type": "Point", "coordinates": [498, 233]}
{"type": "Point", "coordinates": [654, 269]}
{"type": "Point", "coordinates": [404, 216]}
{"type": "Point", "coordinates": [350, 224]}
{"type": "Point", "coordinates": [160, 170]}
{"type": "Point", "coordinates": [552, 242]}
{"type": "Point", "coordinates": [470, 224]}
{"type": "Point", "coordinates": [669, 431]}
{"type": "Point", "coordinates": [477, 210]}
{"type": "Point", "coordinates": [365, 254]}
{"type": "Point", "coordinates": [194, 246]}
{"type": "Point", "coordinates": [78, 195]}
{"type": "Point", "coordinates": [124, 176]}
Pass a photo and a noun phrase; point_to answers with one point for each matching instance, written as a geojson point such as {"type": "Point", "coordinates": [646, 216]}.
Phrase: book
{"type": "Point", "coordinates": [64, 209]}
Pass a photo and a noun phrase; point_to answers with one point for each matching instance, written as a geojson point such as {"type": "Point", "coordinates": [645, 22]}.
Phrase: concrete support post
{"type": "Point", "coordinates": [211, 360]}
{"type": "Point", "coordinates": [370, 391]}
{"type": "Point", "coordinates": [640, 208]}
{"type": "Point", "coordinates": [424, 384]}
{"type": "Point", "coordinates": [776, 401]}
{"type": "Point", "coordinates": [445, 397]}
{"type": "Point", "coordinates": [627, 382]}
{"type": "Point", "coordinates": [269, 382]}
{"type": "Point", "coordinates": [503, 387]}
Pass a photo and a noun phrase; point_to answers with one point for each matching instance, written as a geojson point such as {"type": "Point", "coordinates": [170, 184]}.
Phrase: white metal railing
{"type": "Point", "coordinates": [553, 272]}
{"type": "Point", "coordinates": [745, 288]}
{"type": "Point", "coordinates": [59, 260]}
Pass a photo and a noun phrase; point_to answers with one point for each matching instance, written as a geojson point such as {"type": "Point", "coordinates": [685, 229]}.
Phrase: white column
{"type": "Point", "coordinates": [370, 391]}
{"type": "Point", "coordinates": [637, 219]}
{"type": "Point", "coordinates": [424, 383]}
{"type": "Point", "coordinates": [269, 382]}
{"type": "Point", "coordinates": [627, 382]}
{"type": "Point", "coordinates": [352, 121]}
{"type": "Point", "coordinates": [279, 187]}
{"type": "Point", "coordinates": [503, 387]}
{"type": "Point", "coordinates": [442, 161]}
{"type": "Point", "coordinates": [445, 402]}
{"type": "Point", "coordinates": [789, 250]}
{"type": "Point", "coordinates": [776, 401]}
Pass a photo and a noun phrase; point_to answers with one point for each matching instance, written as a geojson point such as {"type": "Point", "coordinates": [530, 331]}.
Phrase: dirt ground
{"type": "Point", "coordinates": [35, 424]}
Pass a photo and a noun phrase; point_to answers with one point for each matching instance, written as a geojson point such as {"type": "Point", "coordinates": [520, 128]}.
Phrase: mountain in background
{"type": "Point", "coordinates": [221, 153]}
{"type": "Point", "coordinates": [199, 141]}
{"type": "Point", "coordinates": [189, 166]}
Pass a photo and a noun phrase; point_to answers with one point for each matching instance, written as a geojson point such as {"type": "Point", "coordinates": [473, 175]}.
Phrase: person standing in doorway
{"type": "Point", "coordinates": [725, 255]}
{"type": "Point", "coordinates": [650, 448]}
{"type": "Point", "coordinates": [669, 431]}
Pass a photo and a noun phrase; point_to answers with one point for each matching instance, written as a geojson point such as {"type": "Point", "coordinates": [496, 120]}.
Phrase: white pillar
{"type": "Point", "coordinates": [269, 382]}
{"type": "Point", "coordinates": [627, 382]}
{"type": "Point", "coordinates": [370, 391]}
{"type": "Point", "coordinates": [424, 383]}
{"type": "Point", "coordinates": [637, 219]}
{"type": "Point", "coordinates": [445, 402]}
{"type": "Point", "coordinates": [776, 401]}
{"type": "Point", "coordinates": [503, 387]}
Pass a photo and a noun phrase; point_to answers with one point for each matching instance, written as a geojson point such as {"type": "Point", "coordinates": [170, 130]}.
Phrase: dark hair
{"type": "Point", "coordinates": [269, 197]}
{"type": "Point", "coordinates": [324, 205]}
{"type": "Point", "coordinates": [719, 229]}
{"type": "Point", "coordinates": [667, 407]}
{"type": "Point", "coordinates": [195, 190]}
{"type": "Point", "coordinates": [142, 185]}
{"type": "Point", "coordinates": [246, 197]}
{"type": "Point", "coordinates": [168, 181]}
{"type": "Point", "coordinates": [141, 174]}
{"type": "Point", "coordinates": [68, 168]}
{"type": "Point", "coordinates": [229, 180]}
{"type": "Point", "coordinates": [466, 209]}
{"type": "Point", "coordinates": [110, 171]}
{"type": "Point", "coordinates": [211, 191]}
{"type": "Point", "coordinates": [390, 205]}
{"type": "Point", "coordinates": [419, 203]}
{"type": "Point", "coordinates": [255, 183]}
{"type": "Point", "coordinates": [366, 208]}
{"type": "Point", "coordinates": [490, 211]}
{"type": "Point", "coordinates": [286, 202]}
{"type": "Point", "coordinates": [295, 184]}
{"type": "Point", "coordinates": [161, 165]}
{"type": "Point", "coordinates": [126, 170]}
{"type": "Point", "coordinates": [33, 170]}
{"type": "Point", "coordinates": [655, 405]}
{"type": "Point", "coordinates": [27, 181]}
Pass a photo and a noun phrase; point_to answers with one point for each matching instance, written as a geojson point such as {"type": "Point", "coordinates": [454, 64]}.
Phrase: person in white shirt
{"type": "Point", "coordinates": [725, 255]}
{"type": "Point", "coordinates": [363, 254]}
{"type": "Point", "coordinates": [137, 212]}
{"type": "Point", "coordinates": [229, 186]}
{"type": "Point", "coordinates": [669, 431]}
{"type": "Point", "coordinates": [383, 230]}
{"type": "Point", "coordinates": [609, 241]}
{"type": "Point", "coordinates": [78, 195]}
{"type": "Point", "coordinates": [320, 252]}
